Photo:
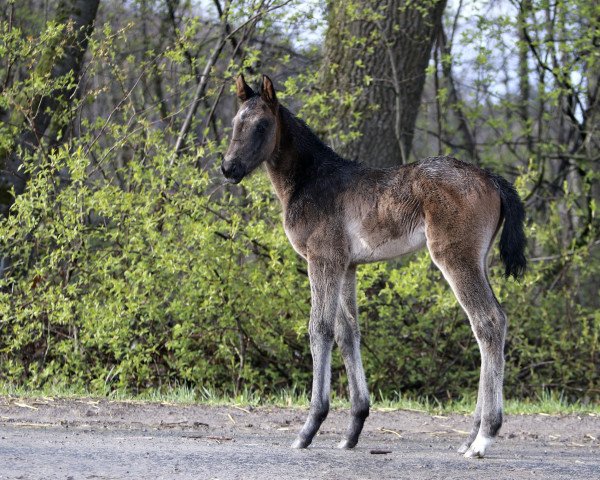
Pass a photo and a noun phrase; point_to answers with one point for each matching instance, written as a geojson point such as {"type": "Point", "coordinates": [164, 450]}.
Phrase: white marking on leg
{"type": "Point", "coordinates": [463, 448]}
{"type": "Point", "coordinates": [478, 447]}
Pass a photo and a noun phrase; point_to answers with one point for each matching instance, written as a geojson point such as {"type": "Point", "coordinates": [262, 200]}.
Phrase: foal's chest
{"type": "Point", "coordinates": [317, 234]}
{"type": "Point", "coordinates": [297, 240]}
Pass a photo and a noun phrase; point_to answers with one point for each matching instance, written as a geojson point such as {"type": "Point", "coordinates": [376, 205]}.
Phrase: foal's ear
{"type": "Point", "coordinates": [244, 92]}
{"type": "Point", "coordinates": [267, 92]}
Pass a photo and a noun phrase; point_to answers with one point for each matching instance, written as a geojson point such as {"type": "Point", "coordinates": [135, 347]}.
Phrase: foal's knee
{"type": "Point", "coordinates": [346, 331]}
{"type": "Point", "coordinates": [320, 329]}
{"type": "Point", "coordinates": [348, 342]}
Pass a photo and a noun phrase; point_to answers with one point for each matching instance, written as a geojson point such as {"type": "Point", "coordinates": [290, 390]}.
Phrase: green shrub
{"type": "Point", "coordinates": [166, 285]}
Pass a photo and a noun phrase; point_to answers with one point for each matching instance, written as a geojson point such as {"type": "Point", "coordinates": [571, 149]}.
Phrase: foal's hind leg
{"type": "Point", "coordinates": [347, 336]}
{"type": "Point", "coordinates": [325, 284]}
{"type": "Point", "coordinates": [470, 285]}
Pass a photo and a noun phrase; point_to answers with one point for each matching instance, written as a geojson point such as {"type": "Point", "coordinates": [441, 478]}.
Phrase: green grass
{"type": "Point", "coordinates": [551, 403]}
{"type": "Point", "coordinates": [548, 402]}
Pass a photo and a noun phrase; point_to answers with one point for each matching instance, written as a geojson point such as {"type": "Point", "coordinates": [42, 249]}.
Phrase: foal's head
{"type": "Point", "coordinates": [255, 136]}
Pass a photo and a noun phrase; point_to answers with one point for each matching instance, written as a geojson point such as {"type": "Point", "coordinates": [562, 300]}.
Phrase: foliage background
{"type": "Point", "coordinates": [130, 266]}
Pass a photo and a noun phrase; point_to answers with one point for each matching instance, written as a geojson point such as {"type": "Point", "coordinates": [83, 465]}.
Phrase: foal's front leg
{"type": "Point", "coordinates": [325, 281]}
{"type": "Point", "coordinates": [347, 336]}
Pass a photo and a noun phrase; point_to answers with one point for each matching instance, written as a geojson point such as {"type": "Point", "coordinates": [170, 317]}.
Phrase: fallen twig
{"type": "Point", "coordinates": [380, 452]}
{"type": "Point", "coordinates": [390, 431]}
{"type": "Point", "coordinates": [24, 405]}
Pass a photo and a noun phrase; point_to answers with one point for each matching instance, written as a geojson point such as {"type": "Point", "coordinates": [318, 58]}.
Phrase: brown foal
{"type": "Point", "coordinates": [338, 214]}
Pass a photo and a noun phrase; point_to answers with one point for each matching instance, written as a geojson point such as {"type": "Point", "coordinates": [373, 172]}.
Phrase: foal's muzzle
{"type": "Point", "coordinates": [232, 171]}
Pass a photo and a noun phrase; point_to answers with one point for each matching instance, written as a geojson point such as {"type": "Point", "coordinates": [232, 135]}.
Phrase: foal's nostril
{"type": "Point", "coordinates": [229, 169]}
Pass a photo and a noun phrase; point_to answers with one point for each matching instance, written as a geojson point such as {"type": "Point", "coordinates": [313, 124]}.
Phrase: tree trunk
{"type": "Point", "coordinates": [379, 51]}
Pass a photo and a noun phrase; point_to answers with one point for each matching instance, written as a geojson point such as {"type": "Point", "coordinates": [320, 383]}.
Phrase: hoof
{"type": "Point", "coordinates": [478, 447]}
{"type": "Point", "coordinates": [463, 448]}
{"type": "Point", "coordinates": [473, 453]}
{"type": "Point", "coordinates": [346, 444]}
{"type": "Point", "coordinates": [300, 443]}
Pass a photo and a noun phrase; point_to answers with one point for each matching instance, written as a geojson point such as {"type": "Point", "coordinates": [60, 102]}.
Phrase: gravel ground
{"type": "Point", "coordinates": [98, 439]}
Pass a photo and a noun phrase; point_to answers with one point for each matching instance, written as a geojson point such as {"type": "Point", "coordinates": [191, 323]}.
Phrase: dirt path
{"type": "Point", "coordinates": [91, 439]}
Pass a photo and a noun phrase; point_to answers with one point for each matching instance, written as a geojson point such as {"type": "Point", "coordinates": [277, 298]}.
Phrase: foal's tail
{"type": "Point", "coordinates": [512, 240]}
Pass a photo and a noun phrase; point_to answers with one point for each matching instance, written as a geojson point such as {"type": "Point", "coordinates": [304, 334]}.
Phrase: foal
{"type": "Point", "coordinates": [338, 214]}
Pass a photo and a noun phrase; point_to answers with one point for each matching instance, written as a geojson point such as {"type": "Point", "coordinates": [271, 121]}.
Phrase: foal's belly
{"type": "Point", "coordinates": [360, 244]}
{"type": "Point", "coordinates": [366, 247]}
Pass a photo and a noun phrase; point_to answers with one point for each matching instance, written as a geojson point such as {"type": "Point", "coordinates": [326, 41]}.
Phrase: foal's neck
{"type": "Point", "coordinates": [300, 156]}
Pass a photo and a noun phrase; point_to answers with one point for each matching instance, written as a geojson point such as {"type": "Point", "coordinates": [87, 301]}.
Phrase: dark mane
{"type": "Point", "coordinates": [320, 173]}
{"type": "Point", "coordinates": [307, 143]}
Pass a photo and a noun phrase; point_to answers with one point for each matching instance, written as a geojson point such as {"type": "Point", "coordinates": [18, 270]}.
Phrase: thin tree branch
{"type": "Point", "coordinates": [202, 84]}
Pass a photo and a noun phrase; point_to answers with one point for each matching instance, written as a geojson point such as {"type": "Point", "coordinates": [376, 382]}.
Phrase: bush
{"type": "Point", "coordinates": [179, 281]}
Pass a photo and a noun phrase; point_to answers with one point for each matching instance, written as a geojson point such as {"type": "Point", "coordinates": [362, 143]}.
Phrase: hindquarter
{"type": "Point", "coordinates": [462, 212]}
